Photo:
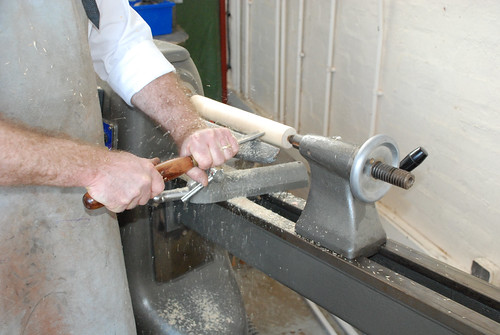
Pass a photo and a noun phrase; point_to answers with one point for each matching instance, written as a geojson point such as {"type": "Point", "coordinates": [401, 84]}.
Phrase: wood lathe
{"type": "Point", "coordinates": [329, 248]}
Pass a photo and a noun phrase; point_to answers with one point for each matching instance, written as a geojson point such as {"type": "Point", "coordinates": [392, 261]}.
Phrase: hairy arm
{"type": "Point", "coordinates": [166, 101]}
{"type": "Point", "coordinates": [119, 180]}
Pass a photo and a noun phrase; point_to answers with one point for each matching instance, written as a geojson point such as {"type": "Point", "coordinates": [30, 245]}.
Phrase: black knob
{"type": "Point", "coordinates": [413, 159]}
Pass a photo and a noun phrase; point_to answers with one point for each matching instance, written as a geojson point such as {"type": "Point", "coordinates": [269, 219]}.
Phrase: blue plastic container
{"type": "Point", "coordinates": [158, 16]}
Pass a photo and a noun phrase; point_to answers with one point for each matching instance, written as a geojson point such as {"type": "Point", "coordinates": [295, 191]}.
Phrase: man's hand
{"type": "Point", "coordinates": [125, 181]}
{"type": "Point", "coordinates": [166, 102]}
{"type": "Point", "coordinates": [209, 147]}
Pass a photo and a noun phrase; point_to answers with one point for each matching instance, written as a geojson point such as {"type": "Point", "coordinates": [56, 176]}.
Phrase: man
{"type": "Point", "coordinates": [61, 268]}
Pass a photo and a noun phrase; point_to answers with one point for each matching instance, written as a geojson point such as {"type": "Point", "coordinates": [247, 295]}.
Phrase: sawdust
{"type": "Point", "coordinates": [265, 214]}
{"type": "Point", "coordinates": [200, 305]}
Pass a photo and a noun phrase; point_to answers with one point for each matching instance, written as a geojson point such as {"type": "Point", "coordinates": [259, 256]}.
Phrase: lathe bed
{"type": "Point", "coordinates": [395, 291]}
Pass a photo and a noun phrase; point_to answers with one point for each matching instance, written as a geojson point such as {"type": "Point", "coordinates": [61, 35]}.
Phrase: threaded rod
{"type": "Point", "coordinates": [392, 175]}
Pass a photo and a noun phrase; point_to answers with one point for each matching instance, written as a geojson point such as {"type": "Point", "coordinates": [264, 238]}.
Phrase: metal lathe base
{"type": "Point", "coordinates": [396, 291]}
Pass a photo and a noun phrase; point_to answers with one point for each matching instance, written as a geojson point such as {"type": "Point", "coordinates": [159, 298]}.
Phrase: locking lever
{"type": "Point", "coordinates": [413, 159]}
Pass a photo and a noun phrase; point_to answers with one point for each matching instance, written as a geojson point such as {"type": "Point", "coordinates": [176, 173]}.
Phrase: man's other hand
{"type": "Point", "coordinates": [209, 147]}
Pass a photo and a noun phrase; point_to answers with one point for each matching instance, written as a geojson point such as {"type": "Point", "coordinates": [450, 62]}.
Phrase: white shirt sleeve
{"type": "Point", "coordinates": [123, 51]}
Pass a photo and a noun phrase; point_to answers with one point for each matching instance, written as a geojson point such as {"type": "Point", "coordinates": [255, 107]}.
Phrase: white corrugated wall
{"type": "Point", "coordinates": [424, 72]}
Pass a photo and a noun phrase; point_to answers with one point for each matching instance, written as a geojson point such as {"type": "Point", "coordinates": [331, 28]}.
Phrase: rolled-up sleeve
{"type": "Point", "coordinates": [123, 51]}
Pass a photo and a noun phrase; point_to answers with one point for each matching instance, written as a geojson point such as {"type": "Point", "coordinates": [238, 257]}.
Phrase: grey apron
{"type": "Point", "coordinates": [61, 268]}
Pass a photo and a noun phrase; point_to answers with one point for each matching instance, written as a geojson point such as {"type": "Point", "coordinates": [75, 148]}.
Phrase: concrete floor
{"type": "Point", "coordinates": [274, 309]}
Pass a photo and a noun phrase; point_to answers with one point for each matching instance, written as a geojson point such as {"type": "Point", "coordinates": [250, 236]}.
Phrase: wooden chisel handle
{"type": "Point", "coordinates": [169, 170]}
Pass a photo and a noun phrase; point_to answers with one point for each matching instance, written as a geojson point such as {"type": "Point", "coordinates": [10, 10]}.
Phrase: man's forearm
{"type": "Point", "coordinates": [29, 156]}
{"type": "Point", "coordinates": [117, 179]}
{"type": "Point", "coordinates": [165, 100]}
